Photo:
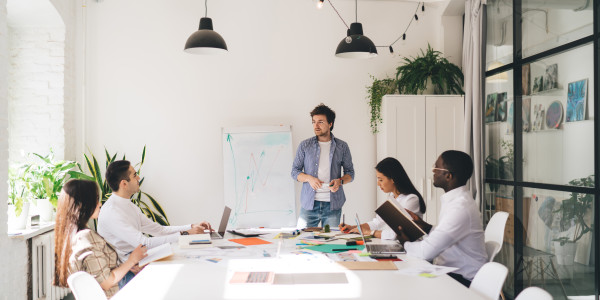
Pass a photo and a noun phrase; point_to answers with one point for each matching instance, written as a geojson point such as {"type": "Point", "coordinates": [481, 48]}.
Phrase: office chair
{"type": "Point", "coordinates": [534, 293]}
{"type": "Point", "coordinates": [489, 280]}
{"type": "Point", "coordinates": [494, 234]}
{"type": "Point", "coordinates": [85, 287]}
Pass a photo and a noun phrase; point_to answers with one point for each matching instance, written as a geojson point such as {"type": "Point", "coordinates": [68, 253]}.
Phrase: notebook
{"type": "Point", "coordinates": [379, 248]}
{"type": "Point", "coordinates": [223, 226]}
{"type": "Point", "coordinates": [396, 216]}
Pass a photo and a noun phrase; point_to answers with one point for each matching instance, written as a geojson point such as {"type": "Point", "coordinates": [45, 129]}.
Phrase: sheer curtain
{"type": "Point", "coordinates": [473, 53]}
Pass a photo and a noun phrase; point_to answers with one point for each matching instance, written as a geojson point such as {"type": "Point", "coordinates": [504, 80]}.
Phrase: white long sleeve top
{"type": "Point", "coordinates": [122, 224]}
{"type": "Point", "coordinates": [410, 202]}
{"type": "Point", "coordinates": [458, 240]}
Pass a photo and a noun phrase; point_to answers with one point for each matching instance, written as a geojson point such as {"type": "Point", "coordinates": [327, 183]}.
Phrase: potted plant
{"type": "Point", "coordinates": [18, 206]}
{"type": "Point", "coordinates": [501, 167]}
{"type": "Point", "coordinates": [574, 214]}
{"type": "Point", "coordinates": [375, 92]}
{"type": "Point", "coordinates": [45, 178]}
{"type": "Point", "coordinates": [96, 174]}
{"type": "Point", "coordinates": [412, 77]}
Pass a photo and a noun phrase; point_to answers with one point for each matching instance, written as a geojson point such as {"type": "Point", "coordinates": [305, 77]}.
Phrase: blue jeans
{"type": "Point", "coordinates": [126, 279]}
{"type": "Point", "coordinates": [320, 214]}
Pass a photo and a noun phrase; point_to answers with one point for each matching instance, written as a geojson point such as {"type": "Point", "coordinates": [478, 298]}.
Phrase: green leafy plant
{"type": "Point", "coordinates": [375, 92]}
{"type": "Point", "coordinates": [96, 174]}
{"type": "Point", "coordinates": [446, 77]}
{"type": "Point", "coordinates": [574, 210]}
{"type": "Point", "coordinates": [502, 167]}
{"type": "Point", "coordinates": [17, 189]}
{"type": "Point", "coordinates": [45, 177]}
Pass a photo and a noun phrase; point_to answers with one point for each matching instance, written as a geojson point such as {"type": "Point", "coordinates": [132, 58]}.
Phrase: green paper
{"type": "Point", "coordinates": [328, 248]}
{"type": "Point", "coordinates": [427, 275]}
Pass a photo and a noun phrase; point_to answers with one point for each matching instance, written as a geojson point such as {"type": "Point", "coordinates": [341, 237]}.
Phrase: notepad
{"type": "Point", "coordinates": [250, 241]}
{"type": "Point", "coordinates": [194, 241]}
{"type": "Point", "coordinates": [156, 253]}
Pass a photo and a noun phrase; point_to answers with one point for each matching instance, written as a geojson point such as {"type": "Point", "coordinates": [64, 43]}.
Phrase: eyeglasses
{"type": "Point", "coordinates": [433, 168]}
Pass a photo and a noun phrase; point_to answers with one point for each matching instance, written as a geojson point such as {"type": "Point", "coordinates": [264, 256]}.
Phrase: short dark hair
{"type": "Point", "coordinates": [459, 164]}
{"type": "Point", "coordinates": [323, 109]}
{"type": "Point", "coordinates": [117, 171]}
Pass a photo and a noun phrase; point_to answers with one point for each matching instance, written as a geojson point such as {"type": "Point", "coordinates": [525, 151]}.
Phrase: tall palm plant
{"type": "Point", "coordinates": [96, 174]}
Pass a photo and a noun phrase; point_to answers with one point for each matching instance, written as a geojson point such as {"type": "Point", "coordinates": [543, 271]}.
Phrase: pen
{"type": "Point", "coordinates": [345, 249]}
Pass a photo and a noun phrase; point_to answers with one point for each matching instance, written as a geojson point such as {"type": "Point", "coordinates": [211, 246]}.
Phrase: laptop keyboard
{"type": "Point", "coordinates": [258, 277]}
{"type": "Point", "coordinates": [215, 235]}
{"type": "Point", "coordinates": [384, 248]}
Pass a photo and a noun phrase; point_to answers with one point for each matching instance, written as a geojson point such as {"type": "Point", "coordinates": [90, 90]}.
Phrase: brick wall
{"type": "Point", "coordinates": [36, 91]}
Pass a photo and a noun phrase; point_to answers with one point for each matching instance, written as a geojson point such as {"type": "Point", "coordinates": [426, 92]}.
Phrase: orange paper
{"type": "Point", "coordinates": [250, 241]}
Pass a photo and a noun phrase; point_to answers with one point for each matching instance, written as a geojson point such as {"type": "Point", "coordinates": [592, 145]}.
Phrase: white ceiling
{"type": "Point", "coordinates": [32, 13]}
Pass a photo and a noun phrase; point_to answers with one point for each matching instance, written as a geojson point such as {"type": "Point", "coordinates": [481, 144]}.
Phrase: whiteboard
{"type": "Point", "coordinates": [257, 163]}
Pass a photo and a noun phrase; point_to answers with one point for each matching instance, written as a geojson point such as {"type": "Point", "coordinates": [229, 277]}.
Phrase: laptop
{"type": "Point", "coordinates": [379, 248]}
{"type": "Point", "coordinates": [223, 226]}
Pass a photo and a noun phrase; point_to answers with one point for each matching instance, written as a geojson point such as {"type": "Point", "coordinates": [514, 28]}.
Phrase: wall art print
{"type": "Point", "coordinates": [538, 114]}
{"type": "Point", "coordinates": [526, 114]}
{"type": "Point", "coordinates": [554, 115]}
{"type": "Point", "coordinates": [501, 107]}
{"type": "Point", "coordinates": [576, 100]}
{"type": "Point", "coordinates": [490, 108]}
{"type": "Point", "coordinates": [509, 117]}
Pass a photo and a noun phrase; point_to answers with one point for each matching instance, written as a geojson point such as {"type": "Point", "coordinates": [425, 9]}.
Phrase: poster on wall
{"type": "Point", "coordinates": [501, 107]}
{"type": "Point", "coordinates": [538, 114]}
{"type": "Point", "coordinates": [554, 115]}
{"type": "Point", "coordinates": [526, 114]}
{"type": "Point", "coordinates": [490, 108]}
{"type": "Point", "coordinates": [551, 77]}
{"type": "Point", "coordinates": [576, 100]}
{"type": "Point", "coordinates": [509, 117]}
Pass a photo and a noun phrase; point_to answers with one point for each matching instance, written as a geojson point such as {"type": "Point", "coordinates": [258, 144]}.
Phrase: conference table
{"type": "Point", "coordinates": [205, 273]}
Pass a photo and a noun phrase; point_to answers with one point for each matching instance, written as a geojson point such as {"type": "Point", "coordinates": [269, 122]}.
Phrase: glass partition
{"type": "Point", "coordinates": [499, 123]}
{"type": "Point", "coordinates": [499, 34]}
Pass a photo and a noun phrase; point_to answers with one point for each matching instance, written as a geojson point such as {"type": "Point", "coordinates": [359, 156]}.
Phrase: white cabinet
{"type": "Point", "coordinates": [416, 129]}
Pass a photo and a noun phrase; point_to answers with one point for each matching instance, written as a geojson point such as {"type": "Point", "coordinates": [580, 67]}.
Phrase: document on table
{"type": "Point", "coordinates": [427, 270]}
{"type": "Point", "coordinates": [156, 253]}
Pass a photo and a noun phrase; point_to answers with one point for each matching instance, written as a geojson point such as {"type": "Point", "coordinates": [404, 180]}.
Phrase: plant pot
{"type": "Point", "coordinates": [565, 254]}
{"type": "Point", "coordinates": [45, 209]}
{"type": "Point", "coordinates": [429, 88]}
{"type": "Point", "coordinates": [17, 222]}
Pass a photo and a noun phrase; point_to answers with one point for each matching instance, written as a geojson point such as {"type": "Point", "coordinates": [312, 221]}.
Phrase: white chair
{"type": "Point", "coordinates": [85, 287]}
{"type": "Point", "coordinates": [494, 234]}
{"type": "Point", "coordinates": [534, 293]}
{"type": "Point", "coordinates": [489, 280]}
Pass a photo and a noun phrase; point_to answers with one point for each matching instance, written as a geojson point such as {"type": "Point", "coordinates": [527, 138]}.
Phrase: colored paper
{"type": "Point", "coordinates": [329, 248]}
{"type": "Point", "coordinates": [250, 241]}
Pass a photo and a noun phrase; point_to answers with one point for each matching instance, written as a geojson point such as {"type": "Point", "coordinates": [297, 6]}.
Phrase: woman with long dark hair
{"type": "Point", "coordinates": [393, 180]}
{"type": "Point", "coordinates": [78, 248]}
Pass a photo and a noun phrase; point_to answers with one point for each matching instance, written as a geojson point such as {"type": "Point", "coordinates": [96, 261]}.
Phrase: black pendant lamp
{"type": "Point", "coordinates": [205, 40]}
{"type": "Point", "coordinates": [355, 44]}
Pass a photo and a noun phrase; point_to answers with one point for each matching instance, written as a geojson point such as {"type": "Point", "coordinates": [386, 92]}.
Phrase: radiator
{"type": "Point", "coordinates": [42, 269]}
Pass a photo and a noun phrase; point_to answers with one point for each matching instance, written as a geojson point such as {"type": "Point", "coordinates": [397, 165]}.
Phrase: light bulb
{"type": "Point", "coordinates": [320, 4]}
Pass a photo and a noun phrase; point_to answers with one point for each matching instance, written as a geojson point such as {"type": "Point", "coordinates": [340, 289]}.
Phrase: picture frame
{"type": "Point", "coordinates": [554, 115]}
{"type": "Point", "coordinates": [490, 108]}
{"type": "Point", "coordinates": [526, 114]}
{"type": "Point", "coordinates": [501, 107]}
{"type": "Point", "coordinates": [576, 100]}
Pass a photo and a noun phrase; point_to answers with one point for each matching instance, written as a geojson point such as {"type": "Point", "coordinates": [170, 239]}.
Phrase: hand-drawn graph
{"type": "Point", "coordinates": [257, 162]}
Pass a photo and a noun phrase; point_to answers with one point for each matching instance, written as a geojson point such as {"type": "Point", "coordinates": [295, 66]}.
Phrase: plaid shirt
{"type": "Point", "coordinates": [92, 254]}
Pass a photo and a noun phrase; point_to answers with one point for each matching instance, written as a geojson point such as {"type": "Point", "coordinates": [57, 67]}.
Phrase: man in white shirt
{"type": "Point", "coordinates": [123, 225]}
{"type": "Point", "coordinates": [458, 239]}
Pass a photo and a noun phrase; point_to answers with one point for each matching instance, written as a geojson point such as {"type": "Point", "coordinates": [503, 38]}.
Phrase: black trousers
{"type": "Point", "coordinates": [460, 279]}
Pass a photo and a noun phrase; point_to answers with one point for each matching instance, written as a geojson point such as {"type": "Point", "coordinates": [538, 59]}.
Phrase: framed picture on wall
{"type": "Point", "coordinates": [551, 77]}
{"type": "Point", "coordinates": [490, 108]}
{"type": "Point", "coordinates": [538, 114]}
{"type": "Point", "coordinates": [554, 115]}
{"type": "Point", "coordinates": [501, 107]}
{"type": "Point", "coordinates": [526, 114]}
{"type": "Point", "coordinates": [509, 117]}
{"type": "Point", "coordinates": [538, 84]}
{"type": "Point", "coordinates": [576, 100]}
{"type": "Point", "coordinates": [526, 80]}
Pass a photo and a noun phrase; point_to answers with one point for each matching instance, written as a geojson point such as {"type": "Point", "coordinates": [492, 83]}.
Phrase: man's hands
{"type": "Point", "coordinates": [335, 184]}
{"type": "Point", "coordinates": [199, 228]}
{"type": "Point", "coordinates": [424, 225]}
{"type": "Point", "coordinates": [314, 182]}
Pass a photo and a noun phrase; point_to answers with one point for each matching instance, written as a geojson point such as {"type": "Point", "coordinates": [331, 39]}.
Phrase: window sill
{"type": "Point", "coordinates": [25, 234]}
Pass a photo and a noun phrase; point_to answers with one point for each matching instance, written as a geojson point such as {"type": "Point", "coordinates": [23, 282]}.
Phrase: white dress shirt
{"type": "Point", "coordinates": [458, 239]}
{"type": "Point", "coordinates": [410, 202]}
{"type": "Point", "coordinates": [122, 224]}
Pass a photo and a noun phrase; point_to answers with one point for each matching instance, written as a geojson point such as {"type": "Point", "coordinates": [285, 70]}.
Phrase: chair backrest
{"type": "Point", "coordinates": [494, 234]}
{"type": "Point", "coordinates": [534, 293]}
{"type": "Point", "coordinates": [489, 280]}
{"type": "Point", "coordinates": [85, 287]}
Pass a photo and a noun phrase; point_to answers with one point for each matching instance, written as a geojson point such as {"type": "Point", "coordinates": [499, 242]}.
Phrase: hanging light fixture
{"type": "Point", "coordinates": [205, 40]}
{"type": "Point", "coordinates": [355, 44]}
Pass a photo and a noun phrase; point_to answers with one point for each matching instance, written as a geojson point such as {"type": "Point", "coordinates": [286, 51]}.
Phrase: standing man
{"type": "Point", "coordinates": [458, 240]}
{"type": "Point", "coordinates": [123, 225]}
{"type": "Point", "coordinates": [318, 165]}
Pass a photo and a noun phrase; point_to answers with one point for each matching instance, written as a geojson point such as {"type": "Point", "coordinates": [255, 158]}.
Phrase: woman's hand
{"type": "Point", "coordinates": [345, 228]}
{"type": "Point", "coordinates": [138, 254]}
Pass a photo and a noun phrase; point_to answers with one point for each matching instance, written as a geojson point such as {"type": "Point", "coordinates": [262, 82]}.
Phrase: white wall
{"type": "Point", "coordinates": [142, 89]}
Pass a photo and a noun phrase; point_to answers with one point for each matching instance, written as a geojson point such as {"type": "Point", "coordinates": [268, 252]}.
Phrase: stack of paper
{"type": "Point", "coordinates": [156, 253]}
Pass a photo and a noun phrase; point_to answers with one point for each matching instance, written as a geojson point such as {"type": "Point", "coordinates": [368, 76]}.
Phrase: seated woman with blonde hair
{"type": "Point", "coordinates": [78, 248]}
{"type": "Point", "coordinates": [392, 180]}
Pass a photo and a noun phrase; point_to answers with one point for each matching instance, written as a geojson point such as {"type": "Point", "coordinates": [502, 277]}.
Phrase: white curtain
{"type": "Point", "coordinates": [473, 49]}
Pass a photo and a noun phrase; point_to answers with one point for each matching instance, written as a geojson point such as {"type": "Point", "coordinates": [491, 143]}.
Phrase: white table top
{"type": "Point", "coordinates": [189, 275]}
